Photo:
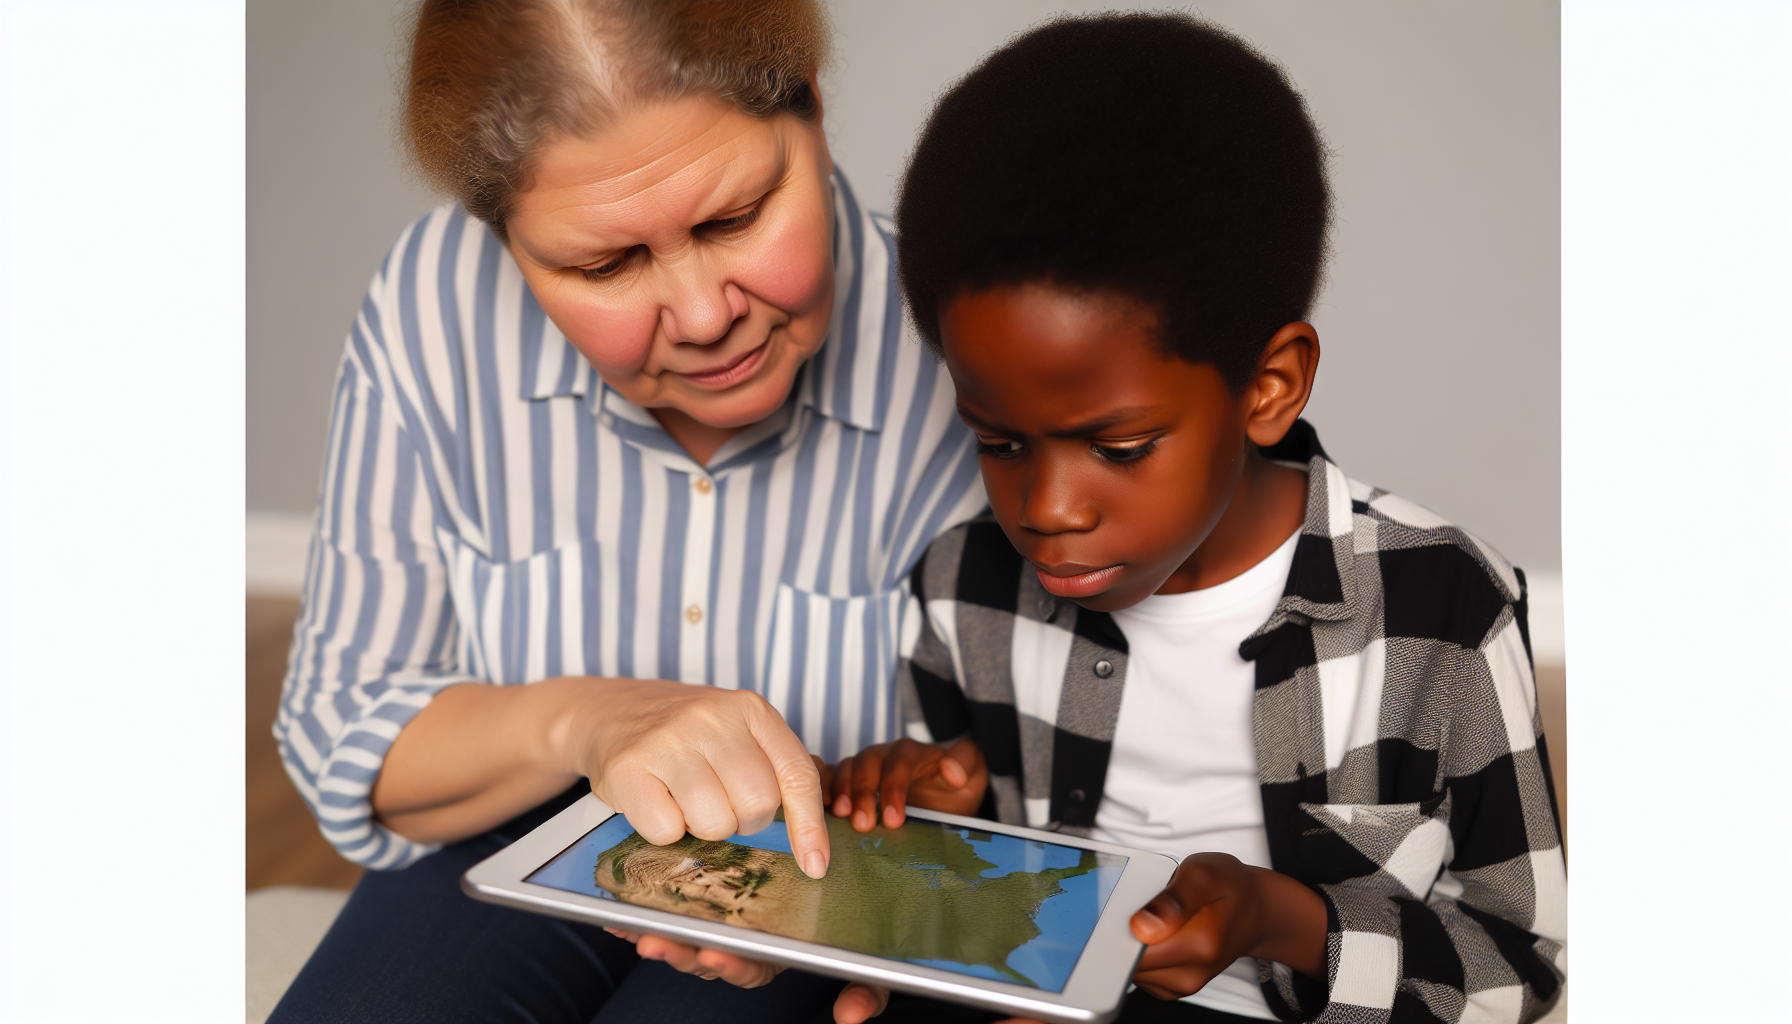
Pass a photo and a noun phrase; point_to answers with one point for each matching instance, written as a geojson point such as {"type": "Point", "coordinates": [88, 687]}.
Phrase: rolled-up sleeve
{"type": "Point", "coordinates": [376, 639]}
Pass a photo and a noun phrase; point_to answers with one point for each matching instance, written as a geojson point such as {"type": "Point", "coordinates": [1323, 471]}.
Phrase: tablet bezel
{"type": "Point", "coordinates": [1091, 996]}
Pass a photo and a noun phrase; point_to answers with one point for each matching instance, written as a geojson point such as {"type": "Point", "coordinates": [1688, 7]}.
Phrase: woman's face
{"type": "Point", "coordinates": [686, 251]}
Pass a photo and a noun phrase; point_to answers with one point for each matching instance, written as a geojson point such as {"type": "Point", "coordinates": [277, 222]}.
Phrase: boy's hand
{"type": "Point", "coordinates": [1218, 909]}
{"type": "Point", "coordinates": [906, 772]}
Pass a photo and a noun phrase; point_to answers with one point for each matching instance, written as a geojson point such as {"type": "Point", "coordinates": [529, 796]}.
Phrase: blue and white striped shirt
{"type": "Point", "coordinates": [492, 512]}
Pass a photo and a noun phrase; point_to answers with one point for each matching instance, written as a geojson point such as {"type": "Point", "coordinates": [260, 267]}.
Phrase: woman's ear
{"type": "Point", "coordinates": [1283, 383]}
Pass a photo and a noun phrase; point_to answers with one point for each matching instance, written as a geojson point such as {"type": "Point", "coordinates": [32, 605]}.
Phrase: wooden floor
{"type": "Point", "coordinates": [284, 847]}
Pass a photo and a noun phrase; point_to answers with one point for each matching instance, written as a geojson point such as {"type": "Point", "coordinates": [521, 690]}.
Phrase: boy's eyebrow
{"type": "Point", "coordinates": [1094, 426]}
{"type": "Point", "coordinates": [1100, 423]}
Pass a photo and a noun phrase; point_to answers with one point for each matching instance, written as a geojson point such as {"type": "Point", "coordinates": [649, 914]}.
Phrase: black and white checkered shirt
{"type": "Point", "coordinates": [1397, 736]}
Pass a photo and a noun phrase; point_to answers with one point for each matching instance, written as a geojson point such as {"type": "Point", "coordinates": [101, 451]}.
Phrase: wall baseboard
{"type": "Point", "coordinates": [278, 542]}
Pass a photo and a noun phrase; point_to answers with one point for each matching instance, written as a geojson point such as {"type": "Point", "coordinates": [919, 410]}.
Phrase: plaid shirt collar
{"type": "Point", "coordinates": [1323, 583]}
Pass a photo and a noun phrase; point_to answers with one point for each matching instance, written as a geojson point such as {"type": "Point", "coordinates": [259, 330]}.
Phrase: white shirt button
{"type": "Point", "coordinates": [703, 485]}
{"type": "Point", "coordinates": [693, 614]}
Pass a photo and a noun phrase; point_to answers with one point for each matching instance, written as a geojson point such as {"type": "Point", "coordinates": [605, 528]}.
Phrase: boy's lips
{"type": "Point", "coordinates": [730, 373]}
{"type": "Point", "coordinates": [1076, 584]}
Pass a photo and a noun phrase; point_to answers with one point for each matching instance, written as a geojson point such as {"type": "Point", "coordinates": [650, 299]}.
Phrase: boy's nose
{"type": "Point", "coordinates": [1051, 501]}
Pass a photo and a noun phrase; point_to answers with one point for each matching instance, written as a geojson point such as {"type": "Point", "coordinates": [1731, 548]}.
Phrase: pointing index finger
{"type": "Point", "coordinates": [799, 785]}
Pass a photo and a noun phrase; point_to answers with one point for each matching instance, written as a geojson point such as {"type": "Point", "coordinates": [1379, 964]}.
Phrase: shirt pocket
{"type": "Point", "coordinates": [1345, 843]}
{"type": "Point", "coordinates": [526, 620]}
{"type": "Point", "coordinates": [829, 667]}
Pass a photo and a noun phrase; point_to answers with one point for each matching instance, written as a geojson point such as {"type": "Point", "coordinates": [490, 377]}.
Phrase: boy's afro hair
{"type": "Point", "coordinates": [1146, 155]}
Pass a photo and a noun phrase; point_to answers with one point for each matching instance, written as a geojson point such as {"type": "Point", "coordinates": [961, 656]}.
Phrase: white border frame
{"type": "Point", "coordinates": [1092, 995]}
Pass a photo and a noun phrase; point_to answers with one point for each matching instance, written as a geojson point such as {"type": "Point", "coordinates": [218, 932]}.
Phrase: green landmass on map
{"type": "Point", "coordinates": [913, 893]}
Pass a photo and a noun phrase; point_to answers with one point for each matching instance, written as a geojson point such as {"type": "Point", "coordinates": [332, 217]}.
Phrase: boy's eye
{"type": "Point", "coordinates": [1128, 453]}
{"type": "Point", "coordinates": [998, 449]}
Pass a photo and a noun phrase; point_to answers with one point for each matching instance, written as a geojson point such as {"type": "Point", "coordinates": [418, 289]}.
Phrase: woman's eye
{"type": "Point", "coordinates": [1130, 453]}
{"type": "Point", "coordinates": [732, 223]}
{"type": "Point", "coordinates": [998, 449]}
{"type": "Point", "coordinates": [606, 270]}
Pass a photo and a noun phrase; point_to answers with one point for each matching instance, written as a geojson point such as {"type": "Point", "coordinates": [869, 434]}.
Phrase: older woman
{"type": "Point", "coordinates": [633, 422]}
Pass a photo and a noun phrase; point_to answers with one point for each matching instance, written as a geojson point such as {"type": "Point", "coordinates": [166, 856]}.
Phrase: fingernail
{"type": "Point", "coordinates": [815, 864]}
{"type": "Point", "coordinates": [1151, 920]}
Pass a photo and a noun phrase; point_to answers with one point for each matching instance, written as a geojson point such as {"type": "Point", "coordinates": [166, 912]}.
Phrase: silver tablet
{"type": "Point", "coordinates": [1010, 919]}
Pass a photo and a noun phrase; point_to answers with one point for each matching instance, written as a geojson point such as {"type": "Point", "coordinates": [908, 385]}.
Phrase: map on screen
{"type": "Point", "coordinates": [975, 902]}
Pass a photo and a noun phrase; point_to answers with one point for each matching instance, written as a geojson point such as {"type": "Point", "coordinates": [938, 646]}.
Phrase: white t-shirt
{"type": "Point", "coordinates": [1182, 777]}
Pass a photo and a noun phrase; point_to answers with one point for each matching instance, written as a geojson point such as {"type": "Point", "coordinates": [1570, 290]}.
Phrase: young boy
{"type": "Point", "coordinates": [1181, 627]}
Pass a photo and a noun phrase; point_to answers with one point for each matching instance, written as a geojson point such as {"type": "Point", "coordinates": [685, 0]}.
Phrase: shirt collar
{"type": "Point", "coordinates": [1323, 582]}
{"type": "Point", "coordinates": [840, 381]}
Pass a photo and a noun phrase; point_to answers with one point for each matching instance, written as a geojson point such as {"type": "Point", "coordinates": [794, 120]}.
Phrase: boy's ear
{"type": "Point", "coordinates": [1283, 383]}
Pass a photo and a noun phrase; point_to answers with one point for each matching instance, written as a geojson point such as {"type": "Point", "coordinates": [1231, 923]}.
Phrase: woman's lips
{"type": "Point", "coordinates": [1086, 584]}
{"type": "Point", "coordinates": [731, 374]}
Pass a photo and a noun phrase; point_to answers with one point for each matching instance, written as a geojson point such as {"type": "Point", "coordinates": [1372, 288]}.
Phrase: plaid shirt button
{"type": "Point", "coordinates": [1104, 668]}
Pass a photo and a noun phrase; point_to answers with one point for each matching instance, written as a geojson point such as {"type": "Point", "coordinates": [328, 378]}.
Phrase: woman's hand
{"type": "Point", "coordinates": [677, 758]}
{"type": "Point", "coordinates": [672, 757]}
{"type": "Point", "coordinates": [1218, 909]}
{"type": "Point", "coordinates": [855, 1004]}
{"type": "Point", "coordinates": [907, 772]}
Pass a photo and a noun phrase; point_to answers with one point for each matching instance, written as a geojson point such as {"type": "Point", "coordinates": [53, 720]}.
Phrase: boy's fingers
{"type": "Point", "coordinates": [1205, 943]}
{"type": "Point", "coordinates": [967, 753]}
{"type": "Point", "coordinates": [1159, 919]}
{"type": "Point", "coordinates": [952, 773]}
{"type": "Point", "coordinates": [867, 774]}
{"type": "Point", "coordinates": [898, 771]}
{"type": "Point", "coordinates": [839, 788]}
{"type": "Point", "coordinates": [1175, 982]}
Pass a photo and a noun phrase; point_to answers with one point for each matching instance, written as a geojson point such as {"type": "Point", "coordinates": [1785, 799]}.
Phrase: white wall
{"type": "Point", "coordinates": [1440, 321]}
{"type": "Point", "coordinates": [326, 199]}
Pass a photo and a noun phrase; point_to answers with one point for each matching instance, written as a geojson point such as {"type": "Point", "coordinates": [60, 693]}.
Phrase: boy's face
{"type": "Point", "coordinates": [1107, 462]}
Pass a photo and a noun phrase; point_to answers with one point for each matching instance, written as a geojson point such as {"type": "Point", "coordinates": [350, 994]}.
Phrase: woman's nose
{"type": "Point", "coordinates": [1052, 500]}
{"type": "Point", "coordinates": [701, 313]}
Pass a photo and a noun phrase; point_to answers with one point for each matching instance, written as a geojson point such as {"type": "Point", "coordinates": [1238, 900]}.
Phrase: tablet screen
{"type": "Point", "coordinates": [980, 903]}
